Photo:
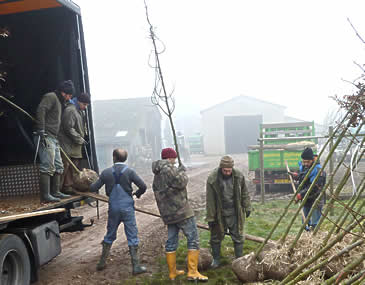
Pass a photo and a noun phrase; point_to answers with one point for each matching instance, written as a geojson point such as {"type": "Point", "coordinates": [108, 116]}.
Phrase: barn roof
{"type": "Point", "coordinates": [234, 99]}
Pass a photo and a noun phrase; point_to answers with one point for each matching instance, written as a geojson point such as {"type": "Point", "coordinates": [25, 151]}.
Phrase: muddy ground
{"type": "Point", "coordinates": [81, 250]}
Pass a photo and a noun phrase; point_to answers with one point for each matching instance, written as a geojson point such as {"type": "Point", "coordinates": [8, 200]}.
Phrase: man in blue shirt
{"type": "Point", "coordinates": [308, 160]}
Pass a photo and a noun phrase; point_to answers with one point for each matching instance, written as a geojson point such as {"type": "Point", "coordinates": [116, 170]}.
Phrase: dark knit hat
{"type": "Point", "coordinates": [168, 153]}
{"type": "Point", "coordinates": [84, 98]}
{"type": "Point", "coordinates": [67, 87]}
{"type": "Point", "coordinates": [307, 154]}
{"type": "Point", "coordinates": [226, 162]}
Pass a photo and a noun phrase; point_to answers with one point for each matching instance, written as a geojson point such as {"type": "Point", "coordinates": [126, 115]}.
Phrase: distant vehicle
{"type": "Point", "coordinates": [45, 45]}
{"type": "Point", "coordinates": [278, 151]}
{"type": "Point", "coordinates": [196, 144]}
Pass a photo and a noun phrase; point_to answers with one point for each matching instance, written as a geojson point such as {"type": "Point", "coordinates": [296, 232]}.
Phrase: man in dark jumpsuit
{"type": "Point", "coordinates": [118, 181]}
{"type": "Point", "coordinates": [227, 205]}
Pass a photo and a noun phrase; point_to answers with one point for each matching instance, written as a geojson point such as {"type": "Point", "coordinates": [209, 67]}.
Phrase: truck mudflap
{"type": "Point", "coordinates": [46, 242]}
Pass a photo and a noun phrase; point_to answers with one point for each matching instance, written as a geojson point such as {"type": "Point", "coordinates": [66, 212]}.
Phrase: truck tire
{"type": "Point", "coordinates": [14, 261]}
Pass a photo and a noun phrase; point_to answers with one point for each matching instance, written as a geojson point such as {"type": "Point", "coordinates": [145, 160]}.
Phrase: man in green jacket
{"type": "Point", "coordinates": [48, 121]}
{"type": "Point", "coordinates": [227, 205]}
{"type": "Point", "coordinates": [169, 187]}
{"type": "Point", "coordinates": [71, 138]}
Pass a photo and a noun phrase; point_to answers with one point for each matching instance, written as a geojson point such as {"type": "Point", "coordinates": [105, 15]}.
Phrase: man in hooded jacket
{"type": "Point", "coordinates": [228, 204]}
{"type": "Point", "coordinates": [71, 138]}
{"type": "Point", "coordinates": [169, 187]}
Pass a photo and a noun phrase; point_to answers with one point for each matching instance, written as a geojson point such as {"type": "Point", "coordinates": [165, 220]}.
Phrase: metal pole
{"type": "Point", "coordinates": [262, 178]}
{"type": "Point", "coordinates": [330, 132]}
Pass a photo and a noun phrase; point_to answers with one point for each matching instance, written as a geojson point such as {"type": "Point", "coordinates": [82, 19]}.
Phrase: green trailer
{"type": "Point", "coordinates": [196, 145]}
{"type": "Point", "coordinates": [279, 150]}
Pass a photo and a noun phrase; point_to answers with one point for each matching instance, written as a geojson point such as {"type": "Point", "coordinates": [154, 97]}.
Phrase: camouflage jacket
{"type": "Point", "coordinates": [169, 187]}
{"type": "Point", "coordinates": [214, 198]}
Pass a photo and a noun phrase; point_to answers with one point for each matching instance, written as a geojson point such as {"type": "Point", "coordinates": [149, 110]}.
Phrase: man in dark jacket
{"type": "Point", "coordinates": [48, 121]}
{"type": "Point", "coordinates": [308, 159]}
{"type": "Point", "coordinates": [228, 204]}
{"type": "Point", "coordinates": [169, 187]}
{"type": "Point", "coordinates": [118, 181]}
{"type": "Point", "coordinates": [71, 137]}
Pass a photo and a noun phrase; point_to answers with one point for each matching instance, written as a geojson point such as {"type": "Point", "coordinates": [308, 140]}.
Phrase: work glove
{"type": "Point", "coordinates": [212, 224]}
{"type": "Point", "coordinates": [182, 168]}
{"type": "Point", "coordinates": [298, 198]}
{"type": "Point", "coordinates": [138, 193]}
{"type": "Point", "coordinates": [293, 174]}
{"type": "Point", "coordinates": [248, 213]}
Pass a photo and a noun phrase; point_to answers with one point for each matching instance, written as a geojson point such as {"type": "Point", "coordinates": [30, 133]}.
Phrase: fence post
{"type": "Point", "coordinates": [262, 178]}
{"type": "Point", "coordinates": [330, 132]}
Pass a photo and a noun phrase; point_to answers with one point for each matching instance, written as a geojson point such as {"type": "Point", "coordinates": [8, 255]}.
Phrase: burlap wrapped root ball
{"type": "Point", "coordinates": [205, 259]}
{"type": "Point", "coordinates": [84, 179]}
{"type": "Point", "coordinates": [247, 269]}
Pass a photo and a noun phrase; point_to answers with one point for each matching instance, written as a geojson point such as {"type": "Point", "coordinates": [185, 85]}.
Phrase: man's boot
{"type": "Point", "coordinates": [137, 268]}
{"type": "Point", "coordinates": [216, 252]}
{"type": "Point", "coordinates": [44, 187]}
{"type": "Point", "coordinates": [193, 259]}
{"type": "Point", "coordinates": [104, 256]}
{"type": "Point", "coordinates": [171, 263]}
{"type": "Point", "coordinates": [238, 249]}
{"type": "Point", "coordinates": [55, 187]}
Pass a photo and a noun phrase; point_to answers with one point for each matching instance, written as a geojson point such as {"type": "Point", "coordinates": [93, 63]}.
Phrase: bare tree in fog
{"type": "Point", "coordinates": [165, 101]}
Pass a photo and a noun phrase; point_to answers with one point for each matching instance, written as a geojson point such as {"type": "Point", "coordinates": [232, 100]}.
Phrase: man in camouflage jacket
{"type": "Point", "coordinates": [169, 187]}
{"type": "Point", "coordinates": [227, 205]}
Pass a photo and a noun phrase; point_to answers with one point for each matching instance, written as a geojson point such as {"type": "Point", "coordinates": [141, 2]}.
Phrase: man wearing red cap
{"type": "Point", "coordinates": [169, 187]}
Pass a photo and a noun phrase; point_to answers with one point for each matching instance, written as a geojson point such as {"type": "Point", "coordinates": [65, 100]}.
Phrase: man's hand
{"type": "Point", "coordinates": [298, 198]}
{"type": "Point", "coordinates": [248, 213]}
{"type": "Point", "coordinates": [293, 174]}
{"type": "Point", "coordinates": [138, 193]}
{"type": "Point", "coordinates": [212, 224]}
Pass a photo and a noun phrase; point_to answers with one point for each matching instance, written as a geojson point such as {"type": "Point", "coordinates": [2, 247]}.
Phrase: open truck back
{"type": "Point", "coordinates": [41, 44]}
{"type": "Point", "coordinates": [279, 150]}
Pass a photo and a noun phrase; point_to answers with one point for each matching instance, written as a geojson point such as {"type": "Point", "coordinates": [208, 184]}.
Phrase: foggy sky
{"type": "Point", "coordinates": [292, 53]}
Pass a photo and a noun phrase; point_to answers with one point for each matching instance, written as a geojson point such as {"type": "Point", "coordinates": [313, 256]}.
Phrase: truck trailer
{"type": "Point", "coordinates": [278, 151]}
{"type": "Point", "coordinates": [41, 44]}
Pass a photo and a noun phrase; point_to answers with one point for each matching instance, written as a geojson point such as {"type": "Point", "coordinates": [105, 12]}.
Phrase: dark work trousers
{"type": "Point", "coordinates": [231, 225]}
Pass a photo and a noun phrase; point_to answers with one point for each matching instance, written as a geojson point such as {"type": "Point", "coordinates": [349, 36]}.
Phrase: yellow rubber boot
{"type": "Point", "coordinates": [171, 262]}
{"type": "Point", "coordinates": [193, 259]}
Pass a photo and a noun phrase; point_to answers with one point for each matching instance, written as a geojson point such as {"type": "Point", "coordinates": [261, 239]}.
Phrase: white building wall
{"type": "Point", "coordinates": [213, 119]}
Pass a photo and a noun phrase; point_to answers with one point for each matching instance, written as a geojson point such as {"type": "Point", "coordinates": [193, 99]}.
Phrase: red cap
{"type": "Point", "coordinates": [168, 153]}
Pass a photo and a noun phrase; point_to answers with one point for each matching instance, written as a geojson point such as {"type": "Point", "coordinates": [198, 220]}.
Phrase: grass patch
{"type": "Point", "coordinates": [260, 223]}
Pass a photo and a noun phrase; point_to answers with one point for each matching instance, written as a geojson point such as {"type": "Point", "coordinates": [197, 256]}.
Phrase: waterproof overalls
{"type": "Point", "coordinates": [121, 209]}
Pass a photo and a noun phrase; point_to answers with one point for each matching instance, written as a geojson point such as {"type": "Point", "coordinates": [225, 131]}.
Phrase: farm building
{"type": "Point", "coordinates": [132, 124]}
{"type": "Point", "coordinates": [231, 126]}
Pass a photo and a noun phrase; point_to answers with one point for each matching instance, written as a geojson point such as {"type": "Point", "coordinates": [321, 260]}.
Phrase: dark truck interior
{"type": "Point", "coordinates": [40, 50]}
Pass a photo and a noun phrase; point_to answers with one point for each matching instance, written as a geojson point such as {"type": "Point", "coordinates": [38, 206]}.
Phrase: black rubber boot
{"type": "Point", "coordinates": [44, 187]}
{"type": "Point", "coordinates": [104, 255]}
{"type": "Point", "coordinates": [216, 252]}
{"type": "Point", "coordinates": [238, 249]}
{"type": "Point", "coordinates": [55, 187]}
{"type": "Point", "coordinates": [137, 268]}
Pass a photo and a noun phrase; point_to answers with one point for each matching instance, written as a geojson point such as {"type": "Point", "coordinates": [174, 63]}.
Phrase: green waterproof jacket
{"type": "Point", "coordinates": [169, 187]}
{"type": "Point", "coordinates": [72, 131]}
{"type": "Point", "coordinates": [214, 198]}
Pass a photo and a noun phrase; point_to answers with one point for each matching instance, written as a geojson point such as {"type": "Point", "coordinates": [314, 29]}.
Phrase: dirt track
{"type": "Point", "coordinates": [81, 250]}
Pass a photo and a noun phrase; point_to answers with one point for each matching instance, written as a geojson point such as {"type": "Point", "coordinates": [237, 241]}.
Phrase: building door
{"type": "Point", "coordinates": [240, 132]}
